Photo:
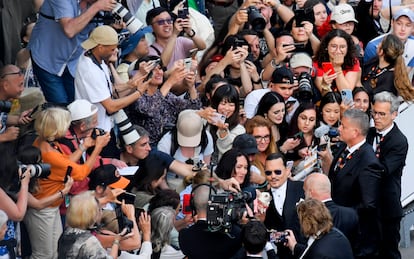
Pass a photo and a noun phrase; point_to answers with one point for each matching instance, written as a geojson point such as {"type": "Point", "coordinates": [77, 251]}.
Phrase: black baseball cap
{"type": "Point", "coordinates": [282, 75]}
{"type": "Point", "coordinates": [246, 143]}
{"type": "Point", "coordinates": [107, 175]}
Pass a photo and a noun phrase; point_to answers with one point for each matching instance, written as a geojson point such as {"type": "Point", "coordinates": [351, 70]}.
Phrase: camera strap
{"type": "Point", "coordinates": [95, 61]}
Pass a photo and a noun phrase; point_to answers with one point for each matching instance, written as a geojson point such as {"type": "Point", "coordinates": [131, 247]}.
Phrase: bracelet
{"type": "Point", "coordinates": [274, 65]}
{"type": "Point", "coordinates": [258, 81]}
{"type": "Point", "coordinates": [82, 148]}
{"type": "Point", "coordinates": [116, 242]}
{"type": "Point", "coordinates": [192, 35]}
{"type": "Point", "coordinates": [61, 194]}
{"type": "Point", "coordinates": [139, 92]}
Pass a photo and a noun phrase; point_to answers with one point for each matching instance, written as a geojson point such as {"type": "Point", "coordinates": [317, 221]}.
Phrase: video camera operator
{"type": "Point", "coordinates": [11, 86]}
{"type": "Point", "coordinates": [198, 242]}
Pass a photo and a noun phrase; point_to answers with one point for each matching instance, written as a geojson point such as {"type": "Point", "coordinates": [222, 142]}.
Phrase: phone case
{"type": "Point", "coordinates": [327, 66]}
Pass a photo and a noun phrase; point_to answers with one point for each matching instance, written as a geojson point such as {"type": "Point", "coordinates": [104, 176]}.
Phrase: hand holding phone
{"type": "Point", "coordinates": [187, 64]}
{"type": "Point", "coordinates": [347, 97]}
{"type": "Point", "coordinates": [327, 67]}
{"type": "Point", "coordinates": [219, 118]}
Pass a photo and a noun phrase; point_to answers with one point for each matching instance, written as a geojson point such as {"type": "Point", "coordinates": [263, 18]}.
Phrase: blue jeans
{"type": "Point", "coordinates": [56, 89]}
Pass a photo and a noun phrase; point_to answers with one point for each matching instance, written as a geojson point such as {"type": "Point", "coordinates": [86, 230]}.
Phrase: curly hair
{"type": "Point", "coordinates": [350, 57]}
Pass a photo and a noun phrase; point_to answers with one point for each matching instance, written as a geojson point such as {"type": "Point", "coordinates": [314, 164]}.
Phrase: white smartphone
{"type": "Point", "coordinates": [347, 97]}
{"type": "Point", "coordinates": [218, 117]}
{"type": "Point", "coordinates": [187, 64]}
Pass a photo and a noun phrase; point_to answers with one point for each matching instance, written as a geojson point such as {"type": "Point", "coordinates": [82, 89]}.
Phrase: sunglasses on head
{"type": "Point", "coordinates": [269, 173]}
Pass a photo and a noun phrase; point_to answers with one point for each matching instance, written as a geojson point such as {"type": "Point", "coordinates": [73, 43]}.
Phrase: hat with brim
{"type": "Point", "coordinates": [129, 44]}
{"type": "Point", "coordinates": [404, 12]}
{"type": "Point", "coordinates": [300, 59]}
{"type": "Point", "coordinates": [189, 128]}
{"type": "Point", "coordinates": [81, 109]}
{"type": "Point", "coordinates": [30, 98]}
{"type": "Point", "coordinates": [107, 175]}
{"type": "Point", "coordinates": [101, 35]}
{"type": "Point", "coordinates": [343, 13]}
{"type": "Point", "coordinates": [282, 75]}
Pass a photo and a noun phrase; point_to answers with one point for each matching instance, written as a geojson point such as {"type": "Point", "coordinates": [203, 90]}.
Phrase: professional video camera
{"type": "Point", "coordinates": [226, 208]}
{"type": "Point", "coordinates": [256, 19]}
{"type": "Point", "coordinates": [305, 89]}
{"type": "Point", "coordinates": [119, 13]}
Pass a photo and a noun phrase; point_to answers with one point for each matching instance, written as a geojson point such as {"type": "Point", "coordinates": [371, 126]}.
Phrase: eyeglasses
{"type": "Point", "coordinates": [20, 73]}
{"type": "Point", "coordinates": [335, 47]}
{"type": "Point", "coordinates": [262, 138]}
{"type": "Point", "coordinates": [163, 21]}
{"type": "Point", "coordinates": [380, 114]}
{"type": "Point", "coordinates": [269, 172]}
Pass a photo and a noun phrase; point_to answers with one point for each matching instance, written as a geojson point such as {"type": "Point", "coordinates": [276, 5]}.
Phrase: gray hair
{"type": "Point", "coordinates": [387, 97]}
{"type": "Point", "coordinates": [359, 118]}
{"type": "Point", "coordinates": [3, 218]}
{"type": "Point", "coordinates": [162, 222]}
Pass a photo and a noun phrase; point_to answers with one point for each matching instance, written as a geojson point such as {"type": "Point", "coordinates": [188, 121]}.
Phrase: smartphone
{"type": "Point", "coordinates": [328, 67]}
{"type": "Point", "coordinates": [30, 115]}
{"type": "Point", "coordinates": [187, 64]}
{"type": "Point", "coordinates": [298, 135]}
{"type": "Point", "coordinates": [300, 45]}
{"type": "Point", "coordinates": [217, 117]}
{"type": "Point", "coordinates": [299, 17]}
{"type": "Point", "coordinates": [183, 13]}
{"type": "Point", "coordinates": [241, 103]}
{"type": "Point", "coordinates": [186, 209]}
{"type": "Point", "coordinates": [322, 147]}
{"type": "Point", "coordinates": [347, 97]}
{"type": "Point", "coordinates": [237, 43]}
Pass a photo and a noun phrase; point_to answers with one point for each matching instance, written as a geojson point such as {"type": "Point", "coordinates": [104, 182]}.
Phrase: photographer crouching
{"type": "Point", "coordinates": [11, 87]}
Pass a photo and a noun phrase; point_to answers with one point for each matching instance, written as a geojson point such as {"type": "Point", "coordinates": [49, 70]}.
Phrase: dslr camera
{"type": "Point", "coordinates": [119, 13]}
{"type": "Point", "coordinates": [256, 19]}
{"type": "Point", "coordinates": [305, 89]}
{"type": "Point", "coordinates": [39, 170]}
{"type": "Point", "coordinates": [96, 132]}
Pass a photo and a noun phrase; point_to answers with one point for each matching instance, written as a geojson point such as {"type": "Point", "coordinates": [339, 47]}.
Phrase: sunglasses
{"type": "Point", "coordinates": [163, 21]}
{"type": "Point", "coordinates": [269, 173]}
{"type": "Point", "coordinates": [20, 73]}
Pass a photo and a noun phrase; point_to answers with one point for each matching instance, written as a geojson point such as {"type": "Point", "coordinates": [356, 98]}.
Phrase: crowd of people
{"type": "Point", "coordinates": [217, 129]}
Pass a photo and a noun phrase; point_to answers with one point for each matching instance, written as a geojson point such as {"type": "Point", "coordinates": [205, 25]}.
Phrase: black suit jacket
{"type": "Point", "coordinates": [289, 219]}
{"type": "Point", "coordinates": [345, 219]}
{"type": "Point", "coordinates": [357, 185]}
{"type": "Point", "coordinates": [199, 243]}
{"type": "Point", "coordinates": [333, 245]}
{"type": "Point", "coordinates": [393, 152]}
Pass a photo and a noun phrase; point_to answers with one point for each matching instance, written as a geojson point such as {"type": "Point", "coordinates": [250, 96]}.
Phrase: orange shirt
{"type": "Point", "coordinates": [59, 163]}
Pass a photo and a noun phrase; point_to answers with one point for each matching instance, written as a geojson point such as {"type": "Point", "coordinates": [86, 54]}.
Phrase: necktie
{"type": "Point", "coordinates": [341, 160]}
{"type": "Point", "coordinates": [378, 139]}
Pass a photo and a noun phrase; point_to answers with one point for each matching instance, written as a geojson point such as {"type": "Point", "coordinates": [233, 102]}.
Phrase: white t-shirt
{"type": "Point", "coordinates": [93, 84]}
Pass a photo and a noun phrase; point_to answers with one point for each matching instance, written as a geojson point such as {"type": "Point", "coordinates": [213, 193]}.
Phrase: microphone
{"type": "Point", "coordinates": [321, 131]}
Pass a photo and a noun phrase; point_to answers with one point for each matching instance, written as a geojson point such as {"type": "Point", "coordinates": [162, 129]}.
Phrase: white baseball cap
{"type": "Point", "coordinates": [82, 109]}
{"type": "Point", "coordinates": [343, 13]}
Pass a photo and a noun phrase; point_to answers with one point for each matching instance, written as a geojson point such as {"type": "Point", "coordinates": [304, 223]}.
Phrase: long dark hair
{"type": "Point", "coordinates": [330, 97]}
{"type": "Point", "coordinates": [350, 56]}
{"type": "Point", "coordinates": [174, 140]}
{"type": "Point", "coordinates": [150, 169]}
{"type": "Point", "coordinates": [226, 166]}
{"type": "Point", "coordinates": [294, 121]}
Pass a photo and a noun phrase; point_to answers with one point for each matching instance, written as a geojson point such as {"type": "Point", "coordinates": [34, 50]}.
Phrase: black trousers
{"type": "Point", "coordinates": [390, 238]}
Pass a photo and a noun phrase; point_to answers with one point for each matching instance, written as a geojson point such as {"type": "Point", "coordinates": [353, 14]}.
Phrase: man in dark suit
{"type": "Point", "coordinates": [199, 241]}
{"type": "Point", "coordinates": [355, 174]}
{"type": "Point", "coordinates": [390, 146]}
{"type": "Point", "coordinates": [281, 214]}
{"type": "Point", "coordinates": [318, 186]}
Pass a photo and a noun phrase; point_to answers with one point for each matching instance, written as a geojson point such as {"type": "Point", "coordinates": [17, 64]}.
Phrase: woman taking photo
{"type": "Point", "coordinates": [226, 102]}
{"type": "Point", "coordinates": [343, 72]}
{"type": "Point", "coordinates": [45, 226]}
{"type": "Point", "coordinates": [388, 72]}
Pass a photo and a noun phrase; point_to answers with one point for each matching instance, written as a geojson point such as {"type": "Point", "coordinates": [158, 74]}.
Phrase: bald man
{"type": "Point", "coordinates": [11, 87]}
{"type": "Point", "coordinates": [318, 186]}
